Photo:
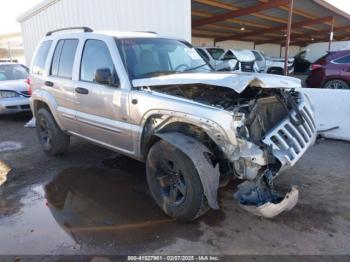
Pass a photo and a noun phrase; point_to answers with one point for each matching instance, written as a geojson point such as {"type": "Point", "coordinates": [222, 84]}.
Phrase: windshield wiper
{"type": "Point", "coordinates": [194, 68]}
{"type": "Point", "coordinates": [157, 73]}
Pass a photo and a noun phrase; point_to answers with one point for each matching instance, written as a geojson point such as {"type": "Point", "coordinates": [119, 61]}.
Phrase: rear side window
{"type": "Point", "coordinates": [63, 58]}
{"type": "Point", "coordinates": [40, 58]}
{"type": "Point", "coordinates": [343, 60]}
{"type": "Point", "coordinates": [95, 56]}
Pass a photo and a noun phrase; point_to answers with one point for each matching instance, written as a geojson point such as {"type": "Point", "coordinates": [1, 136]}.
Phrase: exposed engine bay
{"type": "Point", "coordinates": [271, 128]}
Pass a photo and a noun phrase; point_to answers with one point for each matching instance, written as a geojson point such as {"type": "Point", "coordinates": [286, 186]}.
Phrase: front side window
{"type": "Point", "coordinates": [13, 72]}
{"type": "Point", "coordinates": [96, 56]}
{"type": "Point", "coordinates": [146, 57]}
{"type": "Point", "coordinates": [40, 58]}
{"type": "Point", "coordinates": [63, 58]}
{"type": "Point", "coordinates": [343, 60]}
{"type": "Point", "coordinates": [216, 53]}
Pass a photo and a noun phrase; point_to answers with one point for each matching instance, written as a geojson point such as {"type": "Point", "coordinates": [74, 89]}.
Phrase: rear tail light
{"type": "Point", "coordinates": [315, 66]}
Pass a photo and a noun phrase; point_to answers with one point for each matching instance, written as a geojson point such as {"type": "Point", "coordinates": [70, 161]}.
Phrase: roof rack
{"type": "Point", "coordinates": [148, 32]}
{"type": "Point", "coordinates": [86, 29]}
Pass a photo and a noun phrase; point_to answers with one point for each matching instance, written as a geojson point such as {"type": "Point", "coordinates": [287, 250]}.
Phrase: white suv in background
{"type": "Point", "coordinates": [215, 56]}
{"type": "Point", "coordinates": [272, 65]}
{"type": "Point", "coordinates": [229, 59]}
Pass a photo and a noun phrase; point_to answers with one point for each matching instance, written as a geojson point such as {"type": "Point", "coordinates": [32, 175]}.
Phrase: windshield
{"type": "Point", "coordinates": [13, 72]}
{"type": "Point", "coordinates": [147, 57]}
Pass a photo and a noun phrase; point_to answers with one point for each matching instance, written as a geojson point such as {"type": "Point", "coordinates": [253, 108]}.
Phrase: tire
{"type": "Point", "coordinates": [336, 84]}
{"type": "Point", "coordinates": [169, 170]}
{"type": "Point", "coordinates": [52, 139]}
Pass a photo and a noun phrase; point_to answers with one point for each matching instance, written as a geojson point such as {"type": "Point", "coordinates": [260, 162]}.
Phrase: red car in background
{"type": "Point", "coordinates": [331, 71]}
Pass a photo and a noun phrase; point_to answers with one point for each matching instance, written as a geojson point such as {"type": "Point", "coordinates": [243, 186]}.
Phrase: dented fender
{"type": "Point", "coordinates": [195, 150]}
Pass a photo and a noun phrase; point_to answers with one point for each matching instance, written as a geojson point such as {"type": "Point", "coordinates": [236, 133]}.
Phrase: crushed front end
{"type": "Point", "coordinates": [273, 131]}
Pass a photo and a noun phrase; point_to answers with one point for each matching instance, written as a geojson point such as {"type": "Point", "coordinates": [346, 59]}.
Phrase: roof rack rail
{"type": "Point", "coordinates": [86, 29]}
{"type": "Point", "coordinates": [149, 32]}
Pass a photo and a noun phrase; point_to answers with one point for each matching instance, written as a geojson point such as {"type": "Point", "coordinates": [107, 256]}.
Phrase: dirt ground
{"type": "Point", "coordinates": [92, 201]}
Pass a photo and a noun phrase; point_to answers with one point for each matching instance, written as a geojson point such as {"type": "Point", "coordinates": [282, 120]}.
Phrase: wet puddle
{"type": "Point", "coordinates": [96, 209]}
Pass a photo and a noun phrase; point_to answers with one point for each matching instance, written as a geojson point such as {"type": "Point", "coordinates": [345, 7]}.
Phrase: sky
{"type": "Point", "coordinates": [14, 8]}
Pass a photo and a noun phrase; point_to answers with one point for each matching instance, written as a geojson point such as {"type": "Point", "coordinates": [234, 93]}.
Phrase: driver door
{"type": "Point", "coordinates": [101, 106]}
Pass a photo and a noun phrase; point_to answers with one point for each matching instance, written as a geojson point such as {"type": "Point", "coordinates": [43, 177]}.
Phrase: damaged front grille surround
{"type": "Point", "coordinates": [290, 141]}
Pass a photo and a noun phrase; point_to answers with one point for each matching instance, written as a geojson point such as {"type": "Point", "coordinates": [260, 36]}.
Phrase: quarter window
{"type": "Point", "coordinates": [63, 58]}
{"type": "Point", "coordinates": [343, 60]}
{"type": "Point", "coordinates": [40, 58]}
{"type": "Point", "coordinates": [95, 56]}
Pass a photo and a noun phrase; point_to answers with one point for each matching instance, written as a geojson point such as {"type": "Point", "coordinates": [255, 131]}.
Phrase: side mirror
{"type": "Point", "coordinates": [104, 76]}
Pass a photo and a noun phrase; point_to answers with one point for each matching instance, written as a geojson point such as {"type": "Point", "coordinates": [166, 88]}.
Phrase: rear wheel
{"type": "Point", "coordinates": [52, 139]}
{"type": "Point", "coordinates": [336, 84]}
{"type": "Point", "coordinates": [174, 182]}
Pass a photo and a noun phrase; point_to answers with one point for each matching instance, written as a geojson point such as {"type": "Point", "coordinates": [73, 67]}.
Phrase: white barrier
{"type": "Point", "coordinates": [332, 110]}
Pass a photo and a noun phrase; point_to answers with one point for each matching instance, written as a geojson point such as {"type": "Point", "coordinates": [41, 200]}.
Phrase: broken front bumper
{"type": "Point", "coordinates": [289, 140]}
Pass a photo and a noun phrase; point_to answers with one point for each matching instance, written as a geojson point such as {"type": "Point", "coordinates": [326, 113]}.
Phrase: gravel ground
{"type": "Point", "coordinates": [92, 201]}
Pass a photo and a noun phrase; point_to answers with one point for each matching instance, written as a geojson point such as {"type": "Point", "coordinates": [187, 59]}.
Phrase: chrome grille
{"type": "Point", "coordinates": [291, 141]}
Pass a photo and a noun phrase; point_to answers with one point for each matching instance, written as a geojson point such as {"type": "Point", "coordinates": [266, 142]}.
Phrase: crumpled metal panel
{"type": "Point", "coordinates": [195, 150]}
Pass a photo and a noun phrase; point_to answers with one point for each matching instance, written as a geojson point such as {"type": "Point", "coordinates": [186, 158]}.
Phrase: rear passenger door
{"type": "Point", "coordinates": [102, 108]}
{"type": "Point", "coordinates": [60, 82]}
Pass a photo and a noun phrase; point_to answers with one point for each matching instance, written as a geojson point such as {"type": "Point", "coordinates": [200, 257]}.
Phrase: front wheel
{"type": "Point", "coordinates": [52, 139]}
{"type": "Point", "coordinates": [336, 84]}
{"type": "Point", "coordinates": [174, 182]}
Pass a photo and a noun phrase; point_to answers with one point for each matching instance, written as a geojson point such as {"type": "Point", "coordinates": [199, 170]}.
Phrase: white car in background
{"type": "Point", "coordinates": [272, 65]}
{"type": "Point", "coordinates": [215, 57]}
{"type": "Point", "coordinates": [14, 88]}
{"type": "Point", "coordinates": [229, 59]}
{"type": "Point", "coordinates": [245, 60]}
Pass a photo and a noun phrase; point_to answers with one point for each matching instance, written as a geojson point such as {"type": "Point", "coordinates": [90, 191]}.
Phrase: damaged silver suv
{"type": "Point", "coordinates": [156, 100]}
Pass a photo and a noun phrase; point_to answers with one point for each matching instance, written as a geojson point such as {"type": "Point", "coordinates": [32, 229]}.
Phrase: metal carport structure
{"type": "Point", "coordinates": [283, 22]}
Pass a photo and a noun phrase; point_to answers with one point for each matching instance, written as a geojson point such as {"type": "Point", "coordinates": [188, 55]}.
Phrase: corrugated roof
{"type": "Point", "coordinates": [268, 24]}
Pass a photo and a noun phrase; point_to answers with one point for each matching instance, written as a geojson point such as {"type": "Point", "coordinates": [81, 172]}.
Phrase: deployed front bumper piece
{"type": "Point", "coordinates": [289, 140]}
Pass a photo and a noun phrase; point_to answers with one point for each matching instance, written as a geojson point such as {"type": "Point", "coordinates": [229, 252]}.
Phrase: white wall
{"type": "Point", "coordinates": [293, 50]}
{"type": "Point", "coordinates": [332, 110]}
{"type": "Point", "coordinates": [170, 18]}
{"type": "Point", "coordinates": [202, 41]}
{"type": "Point", "coordinates": [236, 44]}
{"type": "Point", "coordinates": [272, 50]}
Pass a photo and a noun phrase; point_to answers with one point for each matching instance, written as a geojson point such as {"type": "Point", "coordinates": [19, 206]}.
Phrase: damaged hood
{"type": "Point", "coordinates": [235, 81]}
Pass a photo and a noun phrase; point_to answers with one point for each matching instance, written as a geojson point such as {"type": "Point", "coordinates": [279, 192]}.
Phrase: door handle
{"type": "Point", "coordinates": [81, 90]}
{"type": "Point", "coordinates": [49, 83]}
